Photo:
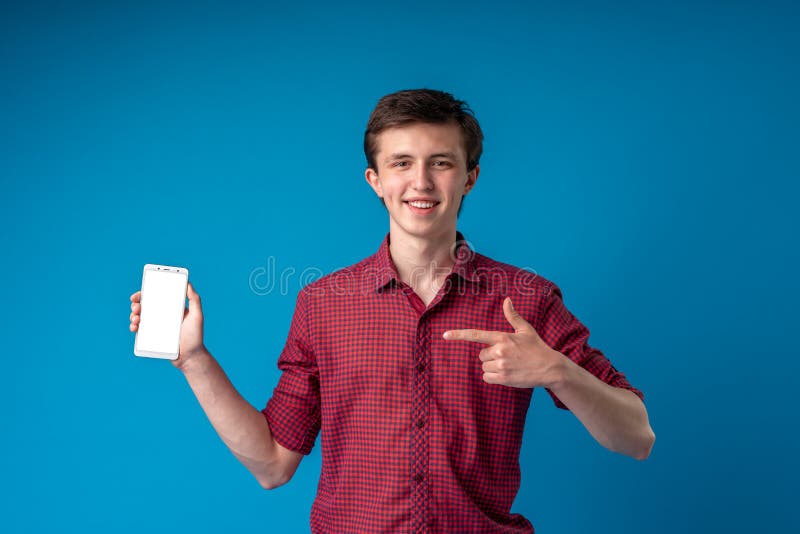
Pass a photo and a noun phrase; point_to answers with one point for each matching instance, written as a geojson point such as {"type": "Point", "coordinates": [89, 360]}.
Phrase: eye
{"type": "Point", "coordinates": [442, 163]}
{"type": "Point", "coordinates": [400, 164]}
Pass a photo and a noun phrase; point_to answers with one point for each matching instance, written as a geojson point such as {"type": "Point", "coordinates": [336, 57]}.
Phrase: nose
{"type": "Point", "coordinates": [422, 179]}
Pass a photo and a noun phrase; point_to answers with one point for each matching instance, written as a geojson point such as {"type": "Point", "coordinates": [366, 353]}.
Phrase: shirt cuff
{"type": "Point", "coordinates": [291, 428]}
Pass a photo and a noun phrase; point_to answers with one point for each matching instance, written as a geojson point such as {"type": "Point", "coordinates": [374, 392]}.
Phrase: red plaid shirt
{"type": "Point", "coordinates": [413, 439]}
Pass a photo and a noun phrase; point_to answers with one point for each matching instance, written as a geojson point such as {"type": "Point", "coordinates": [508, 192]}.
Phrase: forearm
{"type": "Point", "coordinates": [615, 417]}
{"type": "Point", "coordinates": [240, 426]}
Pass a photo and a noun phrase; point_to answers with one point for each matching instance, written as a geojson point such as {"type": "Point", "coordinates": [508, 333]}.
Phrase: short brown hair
{"type": "Point", "coordinates": [423, 105]}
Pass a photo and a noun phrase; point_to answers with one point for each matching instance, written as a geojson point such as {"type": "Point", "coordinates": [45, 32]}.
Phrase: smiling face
{"type": "Point", "coordinates": [421, 177]}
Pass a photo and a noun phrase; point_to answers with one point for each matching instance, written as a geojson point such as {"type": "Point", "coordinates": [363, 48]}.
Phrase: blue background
{"type": "Point", "coordinates": [644, 158]}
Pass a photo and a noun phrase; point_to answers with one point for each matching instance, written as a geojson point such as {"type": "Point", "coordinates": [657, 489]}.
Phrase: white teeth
{"type": "Point", "coordinates": [422, 204]}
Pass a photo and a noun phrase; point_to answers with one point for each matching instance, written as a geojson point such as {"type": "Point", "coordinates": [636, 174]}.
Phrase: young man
{"type": "Point", "coordinates": [418, 363]}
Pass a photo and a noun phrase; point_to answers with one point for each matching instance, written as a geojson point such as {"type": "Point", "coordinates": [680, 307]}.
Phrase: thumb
{"type": "Point", "coordinates": [194, 300]}
{"type": "Point", "coordinates": [514, 318]}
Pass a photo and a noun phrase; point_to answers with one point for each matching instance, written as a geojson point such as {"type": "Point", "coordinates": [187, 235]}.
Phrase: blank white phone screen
{"type": "Point", "coordinates": [163, 302]}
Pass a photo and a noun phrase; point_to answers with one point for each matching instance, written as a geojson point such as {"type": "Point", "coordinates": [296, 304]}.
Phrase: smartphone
{"type": "Point", "coordinates": [163, 302]}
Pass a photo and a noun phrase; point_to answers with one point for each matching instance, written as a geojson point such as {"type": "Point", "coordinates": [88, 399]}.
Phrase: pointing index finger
{"type": "Point", "coordinates": [471, 334]}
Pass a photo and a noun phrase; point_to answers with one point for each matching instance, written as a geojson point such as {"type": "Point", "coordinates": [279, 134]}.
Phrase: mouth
{"type": "Point", "coordinates": [421, 206]}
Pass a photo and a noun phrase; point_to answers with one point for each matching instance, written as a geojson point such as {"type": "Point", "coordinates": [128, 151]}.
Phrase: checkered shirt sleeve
{"type": "Point", "coordinates": [293, 412]}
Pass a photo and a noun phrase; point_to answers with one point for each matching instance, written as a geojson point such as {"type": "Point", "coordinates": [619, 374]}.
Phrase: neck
{"type": "Point", "coordinates": [422, 262]}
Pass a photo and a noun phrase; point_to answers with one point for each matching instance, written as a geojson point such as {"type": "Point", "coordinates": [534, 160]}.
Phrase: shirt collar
{"type": "Point", "coordinates": [386, 272]}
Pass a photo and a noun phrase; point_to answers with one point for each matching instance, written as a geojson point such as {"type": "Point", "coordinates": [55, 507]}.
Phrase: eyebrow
{"type": "Point", "coordinates": [391, 157]}
{"type": "Point", "coordinates": [396, 156]}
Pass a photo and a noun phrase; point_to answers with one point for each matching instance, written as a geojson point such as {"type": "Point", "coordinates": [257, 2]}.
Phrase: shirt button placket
{"type": "Point", "coordinates": [420, 404]}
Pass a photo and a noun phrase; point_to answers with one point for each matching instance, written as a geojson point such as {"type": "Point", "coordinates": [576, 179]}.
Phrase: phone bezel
{"type": "Point", "coordinates": [153, 354]}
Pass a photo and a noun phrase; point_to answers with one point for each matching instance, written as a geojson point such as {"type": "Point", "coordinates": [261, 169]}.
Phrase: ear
{"type": "Point", "coordinates": [374, 181]}
{"type": "Point", "coordinates": [472, 177]}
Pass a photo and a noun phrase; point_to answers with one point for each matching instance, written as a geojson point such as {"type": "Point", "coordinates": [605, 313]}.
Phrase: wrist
{"type": "Point", "coordinates": [190, 362]}
{"type": "Point", "coordinates": [562, 372]}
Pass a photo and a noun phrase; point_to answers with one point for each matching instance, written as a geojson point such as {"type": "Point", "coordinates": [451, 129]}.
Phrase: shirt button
{"type": "Point", "coordinates": [420, 423]}
{"type": "Point", "coordinates": [419, 477]}
{"type": "Point", "coordinates": [420, 367]}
